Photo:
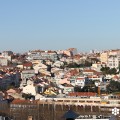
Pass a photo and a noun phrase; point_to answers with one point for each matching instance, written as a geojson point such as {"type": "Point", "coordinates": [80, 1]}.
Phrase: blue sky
{"type": "Point", "coordinates": [59, 24]}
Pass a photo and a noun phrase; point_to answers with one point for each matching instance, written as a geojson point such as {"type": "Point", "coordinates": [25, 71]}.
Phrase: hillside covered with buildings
{"type": "Point", "coordinates": [60, 77]}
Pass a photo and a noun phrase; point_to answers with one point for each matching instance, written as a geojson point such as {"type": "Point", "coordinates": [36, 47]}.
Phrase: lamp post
{"type": "Point", "coordinates": [115, 112]}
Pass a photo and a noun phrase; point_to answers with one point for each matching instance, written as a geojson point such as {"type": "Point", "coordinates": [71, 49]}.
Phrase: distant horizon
{"type": "Point", "coordinates": [82, 24]}
{"type": "Point", "coordinates": [61, 49]}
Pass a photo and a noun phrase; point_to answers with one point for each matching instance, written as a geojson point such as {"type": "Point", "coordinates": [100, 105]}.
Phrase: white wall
{"type": "Point", "coordinates": [29, 89]}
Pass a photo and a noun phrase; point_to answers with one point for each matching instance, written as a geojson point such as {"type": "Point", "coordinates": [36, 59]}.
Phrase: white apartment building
{"type": "Point", "coordinates": [29, 89]}
{"type": "Point", "coordinates": [7, 55]}
{"type": "Point", "coordinates": [79, 81]}
{"type": "Point", "coordinates": [104, 57]}
{"type": "Point", "coordinates": [42, 55]}
{"type": "Point", "coordinates": [114, 58]}
{"type": "Point", "coordinates": [113, 61]}
{"type": "Point", "coordinates": [3, 61]}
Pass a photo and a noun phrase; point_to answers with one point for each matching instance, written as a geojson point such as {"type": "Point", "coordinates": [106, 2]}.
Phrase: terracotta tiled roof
{"type": "Point", "coordinates": [27, 64]}
{"type": "Point", "coordinates": [18, 101]}
{"type": "Point", "coordinates": [82, 94]}
{"type": "Point", "coordinates": [93, 76]}
{"type": "Point", "coordinates": [71, 48]}
{"type": "Point", "coordinates": [89, 70]}
{"type": "Point", "coordinates": [80, 78]}
{"type": "Point", "coordinates": [50, 51]}
{"type": "Point", "coordinates": [115, 77]}
{"type": "Point", "coordinates": [93, 71]}
{"type": "Point", "coordinates": [77, 56]}
{"type": "Point", "coordinates": [73, 72]}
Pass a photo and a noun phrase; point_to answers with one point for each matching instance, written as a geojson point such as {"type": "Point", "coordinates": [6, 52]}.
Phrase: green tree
{"type": "Point", "coordinates": [106, 70]}
{"type": "Point", "coordinates": [113, 71]}
{"type": "Point", "coordinates": [77, 89]}
{"type": "Point", "coordinates": [114, 86]}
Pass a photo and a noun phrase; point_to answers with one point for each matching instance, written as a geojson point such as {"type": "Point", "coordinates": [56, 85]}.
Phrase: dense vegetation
{"type": "Point", "coordinates": [114, 86]}
{"type": "Point", "coordinates": [106, 70]}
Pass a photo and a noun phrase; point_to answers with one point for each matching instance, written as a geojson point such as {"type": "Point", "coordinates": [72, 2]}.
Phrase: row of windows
{"type": "Point", "coordinates": [23, 106]}
{"type": "Point", "coordinates": [113, 64]}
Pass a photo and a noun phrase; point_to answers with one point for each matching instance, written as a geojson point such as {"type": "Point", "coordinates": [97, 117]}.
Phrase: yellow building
{"type": "Point", "coordinates": [104, 57]}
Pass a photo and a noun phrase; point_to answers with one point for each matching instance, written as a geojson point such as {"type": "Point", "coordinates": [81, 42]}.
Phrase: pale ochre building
{"type": "Point", "coordinates": [104, 57]}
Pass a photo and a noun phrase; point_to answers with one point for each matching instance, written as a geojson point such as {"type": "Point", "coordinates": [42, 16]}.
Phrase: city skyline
{"type": "Point", "coordinates": [82, 24]}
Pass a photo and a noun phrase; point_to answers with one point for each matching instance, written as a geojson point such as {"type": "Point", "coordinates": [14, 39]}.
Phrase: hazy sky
{"type": "Point", "coordinates": [59, 24]}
